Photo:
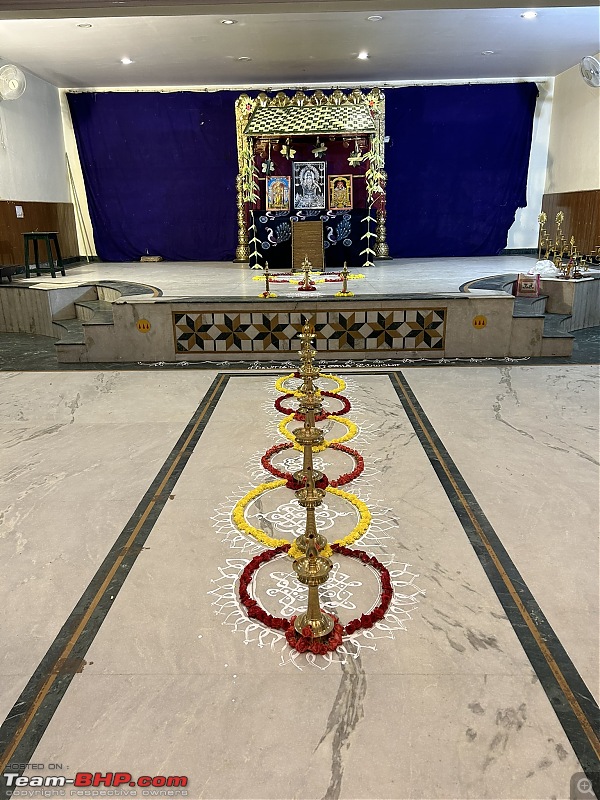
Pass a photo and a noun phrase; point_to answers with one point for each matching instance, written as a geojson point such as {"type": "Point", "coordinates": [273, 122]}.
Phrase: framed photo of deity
{"type": "Point", "coordinates": [340, 192]}
{"type": "Point", "coordinates": [278, 193]}
{"type": "Point", "coordinates": [309, 184]}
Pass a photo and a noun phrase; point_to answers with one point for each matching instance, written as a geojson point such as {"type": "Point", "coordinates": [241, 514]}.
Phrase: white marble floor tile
{"type": "Point", "coordinates": [526, 441]}
{"type": "Point", "coordinates": [447, 707]}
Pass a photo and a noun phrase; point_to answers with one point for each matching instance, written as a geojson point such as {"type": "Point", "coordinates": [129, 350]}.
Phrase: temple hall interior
{"type": "Point", "coordinates": [299, 403]}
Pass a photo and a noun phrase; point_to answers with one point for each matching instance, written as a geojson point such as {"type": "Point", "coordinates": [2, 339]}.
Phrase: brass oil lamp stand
{"type": "Point", "coordinates": [309, 435]}
{"type": "Point", "coordinates": [313, 570]}
{"type": "Point", "coordinates": [306, 285]}
{"type": "Point", "coordinates": [310, 498]}
{"type": "Point", "coordinates": [344, 273]}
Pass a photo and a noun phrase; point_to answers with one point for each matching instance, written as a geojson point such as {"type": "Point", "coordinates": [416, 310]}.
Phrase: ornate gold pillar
{"type": "Point", "coordinates": [242, 251]}
{"type": "Point", "coordinates": [376, 100]}
{"type": "Point", "coordinates": [245, 186]}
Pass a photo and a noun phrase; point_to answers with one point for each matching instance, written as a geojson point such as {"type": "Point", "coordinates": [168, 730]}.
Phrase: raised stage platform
{"type": "Point", "coordinates": [404, 308]}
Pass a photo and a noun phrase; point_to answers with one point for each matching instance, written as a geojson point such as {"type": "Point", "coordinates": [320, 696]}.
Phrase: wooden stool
{"type": "Point", "coordinates": [48, 237]}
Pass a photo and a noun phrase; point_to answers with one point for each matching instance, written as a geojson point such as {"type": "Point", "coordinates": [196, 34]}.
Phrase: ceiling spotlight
{"type": "Point", "coordinates": [244, 58]}
{"type": "Point", "coordinates": [363, 55]}
{"type": "Point", "coordinates": [228, 21]}
{"type": "Point", "coordinates": [529, 14]}
{"type": "Point", "coordinates": [487, 52]}
{"type": "Point", "coordinates": [84, 25]}
{"type": "Point", "coordinates": [375, 18]}
{"type": "Point", "coordinates": [126, 60]}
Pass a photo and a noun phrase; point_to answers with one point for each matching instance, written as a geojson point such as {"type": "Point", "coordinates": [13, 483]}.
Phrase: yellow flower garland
{"type": "Point", "coordinates": [279, 384]}
{"type": "Point", "coordinates": [239, 520]}
{"type": "Point", "coordinates": [352, 276]}
{"type": "Point", "coordinates": [350, 434]}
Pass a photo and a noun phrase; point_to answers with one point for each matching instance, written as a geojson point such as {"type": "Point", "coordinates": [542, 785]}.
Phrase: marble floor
{"type": "Point", "coordinates": [222, 279]}
{"type": "Point", "coordinates": [125, 646]}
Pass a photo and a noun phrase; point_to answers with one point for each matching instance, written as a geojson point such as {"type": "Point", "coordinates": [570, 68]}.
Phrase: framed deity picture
{"type": "Point", "coordinates": [278, 193]}
{"type": "Point", "coordinates": [340, 192]}
{"type": "Point", "coordinates": [309, 184]}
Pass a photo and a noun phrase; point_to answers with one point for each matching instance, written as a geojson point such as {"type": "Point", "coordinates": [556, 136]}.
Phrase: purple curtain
{"type": "Point", "coordinates": [457, 165]}
{"type": "Point", "coordinates": [160, 169]}
{"type": "Point", "coordinates": [160, 173]}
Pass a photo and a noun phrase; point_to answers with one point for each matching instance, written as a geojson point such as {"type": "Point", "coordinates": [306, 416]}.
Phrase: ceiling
{"type": "Point", "coordinates": [185, 44]}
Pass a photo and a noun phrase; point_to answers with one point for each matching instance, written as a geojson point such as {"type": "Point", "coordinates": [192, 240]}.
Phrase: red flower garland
{"type": "Point", "coordinates": [318, 417]}
{"type": "Point", "coordinates": [322, 484]}
{"type": "Point", "coordinates": [304, 642]}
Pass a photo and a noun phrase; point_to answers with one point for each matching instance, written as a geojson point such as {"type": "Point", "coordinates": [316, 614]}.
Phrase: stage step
{"type": "Point", "coordinates": [94, 311]}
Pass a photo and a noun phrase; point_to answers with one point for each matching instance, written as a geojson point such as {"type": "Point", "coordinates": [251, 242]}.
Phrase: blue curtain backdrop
{"type": "Point", "coordinates": [160, 173]}
{"type": "Point", "coordinates": [160, 170]}
{"type": "Point", "coordinates": [457, 166]}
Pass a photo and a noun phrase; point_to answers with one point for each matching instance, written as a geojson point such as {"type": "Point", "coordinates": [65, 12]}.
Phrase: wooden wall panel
{"type": "Point", "coordinates": [582, 217]}
{"type": "Point", "coordinates": [59, 217]}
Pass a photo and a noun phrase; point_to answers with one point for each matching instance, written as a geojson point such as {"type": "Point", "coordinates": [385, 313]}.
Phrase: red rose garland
{"type": "Point", "coordinates": [318, 417]}
{"type": "Point", "coordinates": [304, 642]}
{"type": "Point", "coordinates": [293, 484]}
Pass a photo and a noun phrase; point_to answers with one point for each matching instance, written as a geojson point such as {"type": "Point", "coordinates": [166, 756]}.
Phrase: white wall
{"type": "Point", "coordinates": [524, 230]}
{"type": "Point", "coordinates": [32, 150]}
{"type": "Point", "coordinates": [574, 151]}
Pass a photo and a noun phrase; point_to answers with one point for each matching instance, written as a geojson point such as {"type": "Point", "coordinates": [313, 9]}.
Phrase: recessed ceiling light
{"type": "Point", "coordinates": [84, 25]}
{"type": "Point", "coordinates": [363, 55]}
{"type": "Point", "coordinates": [228, 21]}
{"type": "Point", "coordinates": [529, 14]}
{"type": "Point", "coordinates": [244, 58]}
{"type": "Point", "coordinates": [126, 60]}
{"type": "Point", "coordinates": [375, 18]}
{"type": "Point", "coordinates": [487, 52]}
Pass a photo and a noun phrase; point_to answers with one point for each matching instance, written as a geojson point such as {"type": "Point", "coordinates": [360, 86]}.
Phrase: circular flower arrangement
{"type": "Point", "coordinates": [318, 417]}
{"type": "Point", "coordinates": [239, 520]}
{"type": "Point", "coordinates": [280, 383]}
{"type": "Point", "coordinates": [350, 434]}
{"type": "Point", "coordinates": [305, 642]}
{"type": "Point", "coordinates": [291, 483]}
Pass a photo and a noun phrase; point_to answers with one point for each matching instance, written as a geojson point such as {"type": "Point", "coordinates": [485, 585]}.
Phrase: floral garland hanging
{"type": "Point", "coordinates": [291, 483]}
{"type": "Point", "coordinates": [346, 406]}
{"type": "Point", "coordinates": [305, 642]}
{"type": "Point", "coordinates": [350, 434]}
{"type": "Point", "coordinates": [239, 519]}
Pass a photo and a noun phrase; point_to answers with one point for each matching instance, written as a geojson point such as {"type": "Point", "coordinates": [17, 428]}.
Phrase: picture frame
{"type": "Point", "coordinates": [277, 193]}
{"type": "Point", "coordinates": [309, 185]}
{"type": "Point", "coordinates": [527, 286]}
{"type": "Point", "coordinates": [340, 192]}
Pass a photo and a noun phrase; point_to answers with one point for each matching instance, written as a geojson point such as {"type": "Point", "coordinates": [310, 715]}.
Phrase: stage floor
{"type": "Point", "coordinates": [225, 279]}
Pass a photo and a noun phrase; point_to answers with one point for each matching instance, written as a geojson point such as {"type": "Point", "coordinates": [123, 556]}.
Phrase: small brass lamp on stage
{"type": "Point", "coordinates": [267, 292]}
{"type": "Point", "coordinates": [306, 285]}
{"type": "Point", "coordinates": [313, 570]}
